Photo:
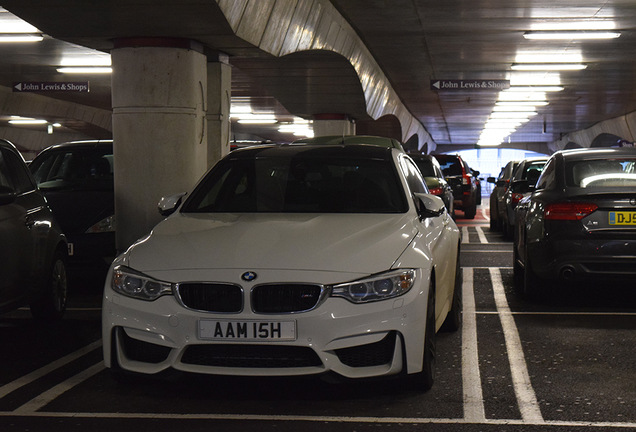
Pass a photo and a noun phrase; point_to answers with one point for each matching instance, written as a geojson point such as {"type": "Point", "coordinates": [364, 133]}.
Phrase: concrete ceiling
{"type": "Point", "coordinates": [415, 42]}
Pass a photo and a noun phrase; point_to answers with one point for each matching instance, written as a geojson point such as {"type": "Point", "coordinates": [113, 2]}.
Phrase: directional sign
{"type": "Point", "coordinates": [469, 85]}
{"type": "Point", "coordinates": [22, 87]}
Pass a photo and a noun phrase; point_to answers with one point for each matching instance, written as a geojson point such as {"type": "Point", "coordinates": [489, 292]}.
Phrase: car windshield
{"type": "Point", "coordinates": [450, 166]}
{"type": "Point", "coordinates": [601, 173]}
{"type": "Point", "coordinates": [299, 185]}
{"type": "Point", "coordinates": [426, 167]}
{"type": "Point", "coordinates": [85, 169]}
{"type": "Point", "coordinates": [532, 171]}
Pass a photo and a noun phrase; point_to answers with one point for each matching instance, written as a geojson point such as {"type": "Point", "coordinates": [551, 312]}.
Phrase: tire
{"type": "Point", "coordinates": [453, 320]}
{"type": "Point", "coordinates": [423, 381]}
{"type": "Point", "coordinates": [471, 211]}
{"type": "Point", "coordinates": [51, 304]}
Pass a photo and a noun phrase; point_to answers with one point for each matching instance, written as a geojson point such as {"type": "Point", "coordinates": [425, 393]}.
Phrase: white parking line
{"type": "Point", "coordinates": [465, 235]}
{"type": "Point", "coordinates": [471, 377]}
{"type": "Point", "coordinates": [26, 379]}
{"type": "Point", "coordinates": [526, 397]}
{"type": "Point", "coordinates": [482, 236]}
{"type": "Point", "coordinates": [48, 396]}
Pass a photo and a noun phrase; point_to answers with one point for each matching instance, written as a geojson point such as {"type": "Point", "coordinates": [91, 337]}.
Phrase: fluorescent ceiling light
{"type": "Point", "coordinates": [535, 78]}
{"type": "Point", "coordinates": [571, 35]}
{"type": "Point", "coordinates": [25, 121]}
{"type": "Point", "coordinates": [514, 108]}
{"type": "Point", "coordinates": [574, 25]}
{"type": "Point", "coordinates": [258, 121]}
{"type": "Point", "coordinates": [512, 115]}
{"type": "Point", "coordinates": [523, 103]}
{"type": "Point", "coordinates": [535, 88]}
{"type": "Point", "coordinates": [488, 144]}
{"type": "Point", "coordinates": [522, 96]}
{"type": "Point", "coordinates": [548, 67]}
{"type": "Point", "coordinates": [13, 24]}
{"type": "Point", "coordinates": [549, 57]}
{"type": "Point", "coordinates": [86, 60]}
{"type": "Point", "coordinates": [250, 116]}
{"type": "Point", "coordinates": [9, 38]}
{"type": "Point", "coordinates": [85, 70]}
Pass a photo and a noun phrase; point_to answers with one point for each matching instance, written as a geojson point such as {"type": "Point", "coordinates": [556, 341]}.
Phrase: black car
{"type": "Point", "coordinates": [77, 180]}
{"type": "Point", "coordinates": [33, 250]}
{"type": "Point", "coordinates": [463, 181]}
{"type": "Point", "coordinates": [579, 224]}
{"type": "Point", "coordinates": [497, 203]}
{"type": "Point", "coordinates": [525, 177]}
{"type": "Point", "coordinates": [434, 178]}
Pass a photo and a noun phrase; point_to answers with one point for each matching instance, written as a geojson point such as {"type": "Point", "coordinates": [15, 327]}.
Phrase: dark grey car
{"type": "Point", "coordinates": [33, 250]}
{"type": "Point", "coordinates": [497, 203]}
{"type": "Point", "coordinates": [524, 177]}
{"type": "Point", "coordinates": [579, 224]}
{"type": "Point", "coordinates": [77, 180]}
{"type": "Point", "coordinates": [434, 178]}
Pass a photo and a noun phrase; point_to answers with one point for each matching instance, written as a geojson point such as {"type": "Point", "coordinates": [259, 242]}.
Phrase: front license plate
{"type": "Point", "coordinates": [247, 330]}
{"type": "Point", "coordinates": [622, 218]}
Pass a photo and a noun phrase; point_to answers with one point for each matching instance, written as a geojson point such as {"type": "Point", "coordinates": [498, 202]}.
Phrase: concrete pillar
{"type": "Point", "coordinates": [333, 124]}
{"type": "Point", "coordinates": [159, 90]}
{"type": "Point", "coordinates": [218, 107]}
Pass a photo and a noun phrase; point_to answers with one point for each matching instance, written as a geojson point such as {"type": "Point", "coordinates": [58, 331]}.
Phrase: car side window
{"type": "Point", "coordinates": [547, 178]}
{"type": "Point", "coordinates": [413, 176]}
{"type": "Point", "coordinates": [15, 172]}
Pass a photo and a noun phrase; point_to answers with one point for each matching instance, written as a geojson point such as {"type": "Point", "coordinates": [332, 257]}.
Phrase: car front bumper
{"type": "Point", "coordinates": [352, 340]}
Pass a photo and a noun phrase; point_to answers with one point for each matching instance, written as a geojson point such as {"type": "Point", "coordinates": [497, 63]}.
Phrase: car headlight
{"type": "Point", "coordinates": [377, 287]}
{"type": "Point", "coordinates": [137, 285]}
{"type": "Point", "coordinates": [104, 225]}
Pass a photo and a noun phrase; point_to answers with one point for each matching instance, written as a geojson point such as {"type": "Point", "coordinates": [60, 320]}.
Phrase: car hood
{"type": "Point", "coordinates": [333, 242]}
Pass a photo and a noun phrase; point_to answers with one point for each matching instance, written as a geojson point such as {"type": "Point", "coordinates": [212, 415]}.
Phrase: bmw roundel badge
{"type": "Point", "coordinates": [248, 276]}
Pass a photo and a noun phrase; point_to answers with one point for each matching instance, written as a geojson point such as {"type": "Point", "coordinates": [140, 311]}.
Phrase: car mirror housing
{"type": "Point", "coordinates": [491, 180]}
{"type": "Point", "coordinates": [168, 205]}
{"type": "Point", "coordinates": [522, 186]}
{"type": "Point", "coordinates": [430, 205]}
{"type": "Point", "coordinates": [7, 195]}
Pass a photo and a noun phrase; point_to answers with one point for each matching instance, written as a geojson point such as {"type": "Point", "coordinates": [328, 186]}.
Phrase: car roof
{"type": "Point", "coordinates": [352, 139]}
{"type": "Point", "coordinates": [287, 150]}
{"type": "Point", "coordinates": [596, 153]}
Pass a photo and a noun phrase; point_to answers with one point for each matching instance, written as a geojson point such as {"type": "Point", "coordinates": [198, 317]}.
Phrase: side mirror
{"type": "Point", "coordinates": [491, 180]}
{"type": "Point", "coordinates": [7, 195]}
{"type": "Point", "coordinates": [502, 183]}
{"type": "Point", "coordinates": [430, 205]}
{"type": "Point", "coordinates": [522, 186]}
{"type": "Point", "coordinates": [169, 204]}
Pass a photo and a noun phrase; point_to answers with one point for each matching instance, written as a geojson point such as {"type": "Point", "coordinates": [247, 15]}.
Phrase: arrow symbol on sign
{"type": "Point", "coordinates": [436, 85]}
{"type": "Point", "coordinates": [19, 87]}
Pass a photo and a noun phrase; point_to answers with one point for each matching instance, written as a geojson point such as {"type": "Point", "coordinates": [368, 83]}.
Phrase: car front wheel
{"type": "Point", "coordinates": [424, 380]}
{"type": "Point", "coordinates": [51, 303]}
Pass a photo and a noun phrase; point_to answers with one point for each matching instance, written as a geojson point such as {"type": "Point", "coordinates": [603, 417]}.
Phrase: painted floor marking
{"type": "Point", "coordinates": [325, 419]}
{"type": "Point", "coordinates": [48, 396]}
{"type": "Point", "coordinates": [465, 238]}
{"type": "Point", "coordinates": [26, 379]}
{"type": "Point", "coordinates": [471, 378]}
{"type": "Point", "coordinates": [526, 397]}
{"type": "Point", "coordinates": [482, 236]}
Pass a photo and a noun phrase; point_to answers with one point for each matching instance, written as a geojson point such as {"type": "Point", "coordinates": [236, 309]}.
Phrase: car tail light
{"type": "Point", "coordinates": [568, 211]}
{"type": "Point", "coordinates": [516, 197]}
{"type": "Point", "coordinates": [436, 191]}
{"type": "Point", "coordinates": [465, 179]}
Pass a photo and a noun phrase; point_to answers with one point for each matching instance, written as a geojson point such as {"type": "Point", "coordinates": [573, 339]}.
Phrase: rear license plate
{"type": "Point", "coordinates": [622, 218]}
{"type": "Point", "coordinates": [247, 330]}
